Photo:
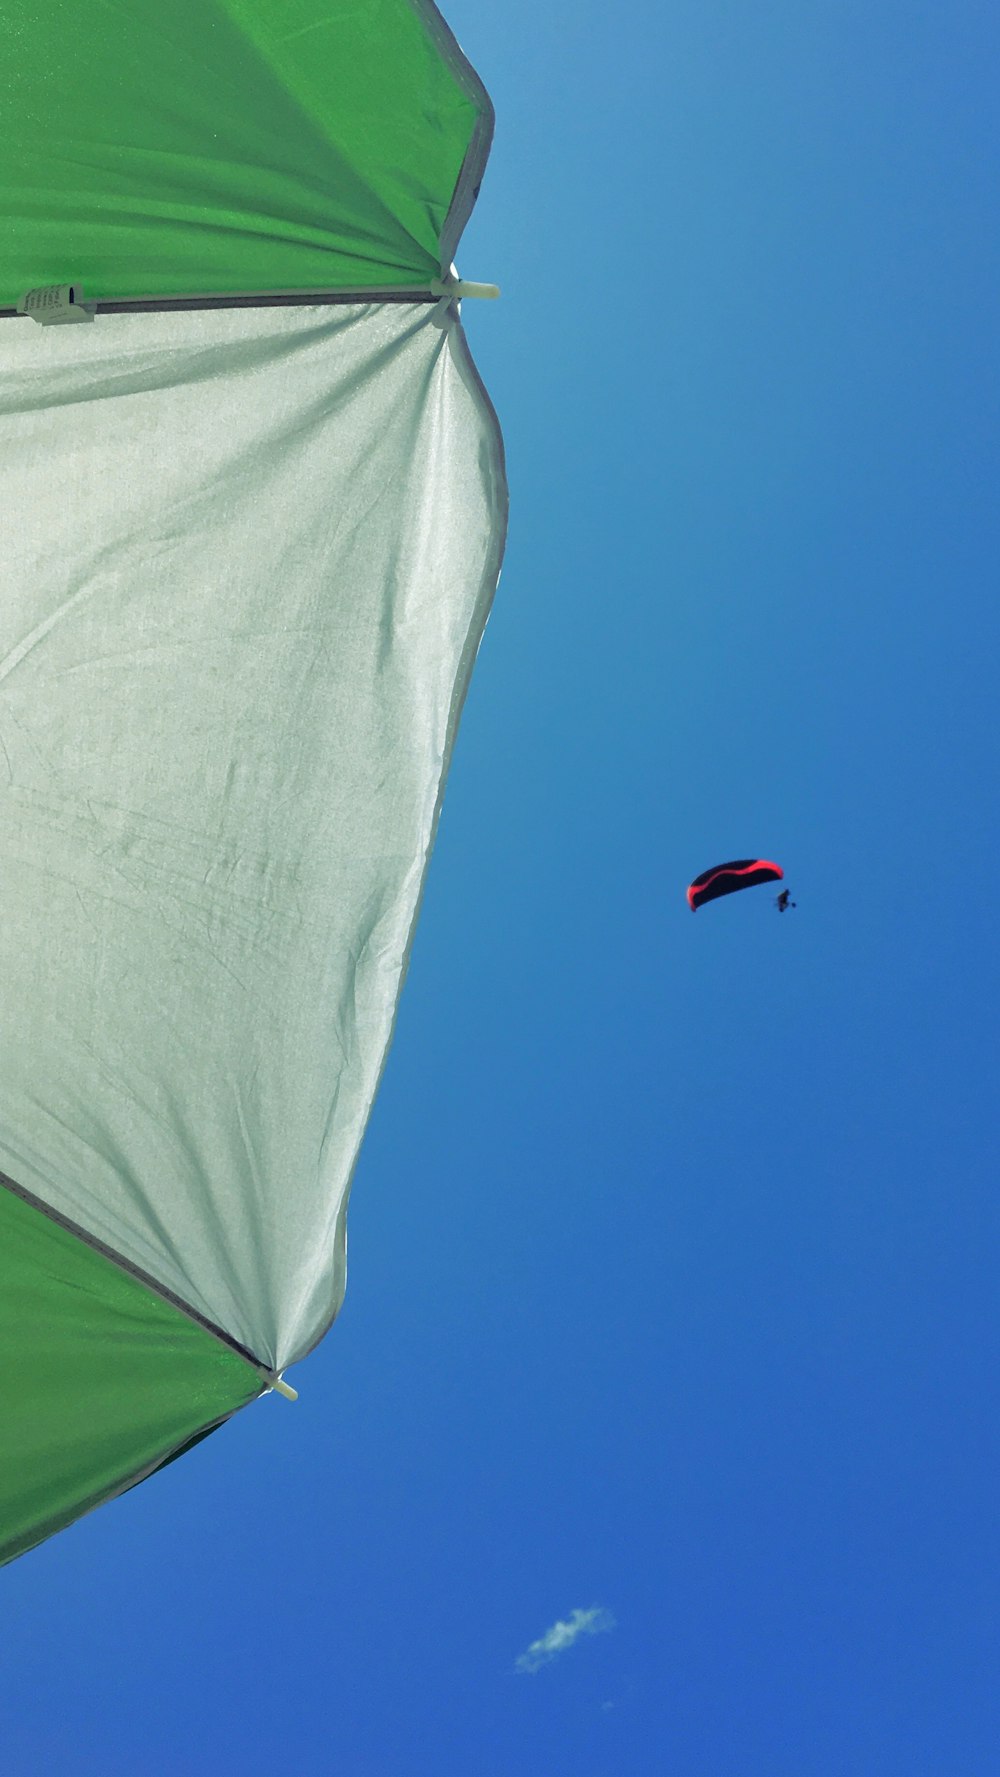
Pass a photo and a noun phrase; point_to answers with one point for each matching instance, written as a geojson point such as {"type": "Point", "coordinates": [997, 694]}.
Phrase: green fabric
{"type": "Point", "coordinates": [172, 147]}
{"type": "Point", "coordinates": [100, 1379]}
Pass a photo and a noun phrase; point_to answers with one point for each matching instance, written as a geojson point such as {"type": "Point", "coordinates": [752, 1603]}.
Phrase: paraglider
{"type": "Point", "coordinates": [726, 879]}
{"type": "Point", "coordinates": [782, 901]}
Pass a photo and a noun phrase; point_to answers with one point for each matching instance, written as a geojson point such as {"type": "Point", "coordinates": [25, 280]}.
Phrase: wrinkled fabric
{"type": "Point", "coordinates": [247, 557]}
{"type": "Point", "coordinates": [198, 147]}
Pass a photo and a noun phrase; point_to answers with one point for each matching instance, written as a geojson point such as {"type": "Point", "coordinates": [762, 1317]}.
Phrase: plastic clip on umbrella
{"type": "Point", "coordinates": [253, 518]}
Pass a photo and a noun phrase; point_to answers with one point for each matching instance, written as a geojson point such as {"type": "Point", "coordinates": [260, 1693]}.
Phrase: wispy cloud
{"type": "Point", "coordinates": [556, 1640]}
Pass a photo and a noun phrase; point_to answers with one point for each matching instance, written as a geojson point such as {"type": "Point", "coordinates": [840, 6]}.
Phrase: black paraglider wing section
{"type": "Point", "coordinates": [725, 879]}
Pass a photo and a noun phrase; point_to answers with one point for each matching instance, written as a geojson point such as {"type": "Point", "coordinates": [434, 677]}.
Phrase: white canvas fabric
{"type": "Point", "coordinates": [247, 556]}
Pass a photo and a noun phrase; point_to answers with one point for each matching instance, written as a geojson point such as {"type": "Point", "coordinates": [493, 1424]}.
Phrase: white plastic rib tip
{"type": "Point", "coordinates": [55, 305]}
{"type": "Point", "coordinates": [281, 1387]}
{"type": "Point", "coordinates": [452, 286]}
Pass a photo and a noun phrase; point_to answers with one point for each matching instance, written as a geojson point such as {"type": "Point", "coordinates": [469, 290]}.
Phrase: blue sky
{"type": "Point", "coordinates": [674, 1242]}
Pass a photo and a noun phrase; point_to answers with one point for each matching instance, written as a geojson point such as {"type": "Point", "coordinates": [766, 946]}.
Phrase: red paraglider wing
{"type": "Point", "coordinates": [725, 879]}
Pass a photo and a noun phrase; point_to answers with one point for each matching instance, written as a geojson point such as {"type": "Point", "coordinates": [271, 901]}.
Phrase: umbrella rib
{"type": "Point", "coordinates": [248, 299]}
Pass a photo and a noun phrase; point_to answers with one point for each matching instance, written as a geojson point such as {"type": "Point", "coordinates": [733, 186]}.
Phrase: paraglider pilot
{"type": "Point", "coordinates": [782, 902]}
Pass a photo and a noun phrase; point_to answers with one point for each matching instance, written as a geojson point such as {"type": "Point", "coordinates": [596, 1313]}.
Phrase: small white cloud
{"type": "Point", "coordinates": [556, 1640]}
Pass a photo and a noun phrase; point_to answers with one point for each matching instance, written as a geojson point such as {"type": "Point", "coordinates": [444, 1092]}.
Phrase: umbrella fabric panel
{"type": "Point", "coordinates": [248, 557]}
{"type": "Point", "coordinates": [101, 1379]}
{"type": "Point", "coordinates": [213, 146]}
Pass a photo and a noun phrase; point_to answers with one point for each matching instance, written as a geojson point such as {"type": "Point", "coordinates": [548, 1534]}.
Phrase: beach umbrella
{"type": "Point", "coordinates": [253, 511]}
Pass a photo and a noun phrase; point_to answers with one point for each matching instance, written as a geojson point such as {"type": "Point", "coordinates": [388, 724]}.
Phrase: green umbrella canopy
{"type": "Point", "coordinates": [223, 146]}
{"type": "Point", "coordinates": [249, 552]}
